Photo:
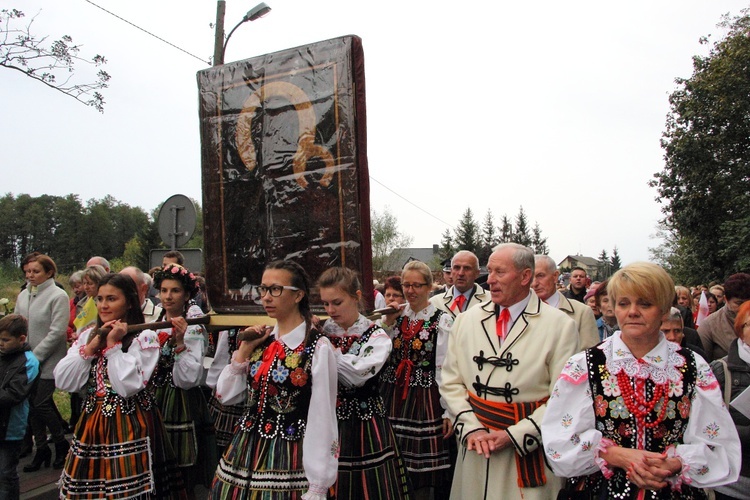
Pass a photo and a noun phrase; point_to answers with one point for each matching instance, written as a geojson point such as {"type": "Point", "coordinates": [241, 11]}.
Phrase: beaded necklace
{"type": "Point", "coordinates": [636, 402]}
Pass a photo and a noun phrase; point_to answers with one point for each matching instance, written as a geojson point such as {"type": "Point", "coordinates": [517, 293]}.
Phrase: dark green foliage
{"type": "Point", "coordinates": [706, 179]}
{"type": "Point", "coordinates": [65, 229]}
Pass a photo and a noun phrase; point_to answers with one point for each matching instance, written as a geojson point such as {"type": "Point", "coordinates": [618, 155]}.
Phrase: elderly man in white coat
{"type": "Point", "coordinates": [465, 293]}
{"type": "Point", "coordinates": [545, 287]}
{"type": "Point", "coordinates": [503, 359]}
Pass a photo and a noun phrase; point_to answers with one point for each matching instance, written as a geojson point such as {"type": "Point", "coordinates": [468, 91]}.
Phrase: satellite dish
{"type": "Point", "coordinates": [176, 220]}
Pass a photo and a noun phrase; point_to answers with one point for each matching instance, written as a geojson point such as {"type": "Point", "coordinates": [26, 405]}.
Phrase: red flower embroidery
{"type": "Point", "coordinates": [600, 406]}
{"type": "Point", "coordinates": [268, 427]}
{"type": "Point", "coordinates": [299, 377]}
{"type": "Point", "coordinates": [684, 407]}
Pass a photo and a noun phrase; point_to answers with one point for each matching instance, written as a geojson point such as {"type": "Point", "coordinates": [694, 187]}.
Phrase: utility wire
{"type": "Point", "coordinates": [148, 32]}
{"type": "Point", "coordinates": [193, 55]}
{"type": "Point", "coordinates": [411, 203]}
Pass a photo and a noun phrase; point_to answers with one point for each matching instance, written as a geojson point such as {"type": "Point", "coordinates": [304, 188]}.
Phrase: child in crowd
{"type": "Point", "coordinates": [18, 369]}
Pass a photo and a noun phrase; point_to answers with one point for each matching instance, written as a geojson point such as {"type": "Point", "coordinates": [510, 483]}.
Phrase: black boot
{"type": "Point", "coordinates": [61, 452]}
{"type": "Point", "coordinates": [27, 447]}
{"type": "Point", "coordinates": [43, 455]}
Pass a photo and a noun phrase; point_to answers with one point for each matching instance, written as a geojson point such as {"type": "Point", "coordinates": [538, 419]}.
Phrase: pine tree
{"type": "Point", "coordinates": [467, 233]}
{"type": "Point", "coordinates": [521, 232]}
{"type": "Point", "coordinates": [446, 245]}
{"type": "Point", "coordinates": [489, 237]}
{"type": "Point", "coordinates": [603, 269]}
{"type": "Point", "coordinates": [506, 230]}
{"type": "Point", "coordinates": [615, 261]}
{"type": "Point", "coordinates": [538, 243]}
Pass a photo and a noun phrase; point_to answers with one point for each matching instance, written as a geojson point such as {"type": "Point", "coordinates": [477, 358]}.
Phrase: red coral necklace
{"type": "Point", "coordinates": [636, 402]}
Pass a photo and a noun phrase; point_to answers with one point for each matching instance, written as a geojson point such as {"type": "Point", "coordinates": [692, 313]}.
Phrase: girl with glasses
{"type": "Point", "coordinates": [410, 382]}
{"type": "Point", "coordinates": [370, 465]}
{"type": "Point", "coordinates": [286, 443]}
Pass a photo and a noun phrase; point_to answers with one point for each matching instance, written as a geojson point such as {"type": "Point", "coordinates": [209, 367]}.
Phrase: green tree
{"type": "Point", "coordinates": [506, 230]}
{"type": "Point", "coordinates": [467, 233]}
{"type": "Point", "coordinates": [53, 64]}
{"type": "Point", "coordinates": [489, 237]}
{"type": "Point", "coordinates": [704, 184]}
{"type": "Point", "coordinates": [521, 233]}
{"type": "Point", "coordinates": [538, 242]}
{"type": "Point", "coordinates": [385, 237]}
{"type": "Point", "coordinates": [603, 269]}
{"type": "Point", "coordinates": [446, 245]}
{"type": "Point", "coordinates": [614, 261]}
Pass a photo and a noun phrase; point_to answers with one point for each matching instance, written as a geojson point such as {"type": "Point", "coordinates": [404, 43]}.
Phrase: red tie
{"type": "Point", "coordinates": [501, 326]}
{"type": "Point", "coordinates": [458, 303]}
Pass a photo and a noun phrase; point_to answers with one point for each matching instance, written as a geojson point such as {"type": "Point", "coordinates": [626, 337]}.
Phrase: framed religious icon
{"type": "Point", "coordinates": [284, 168]}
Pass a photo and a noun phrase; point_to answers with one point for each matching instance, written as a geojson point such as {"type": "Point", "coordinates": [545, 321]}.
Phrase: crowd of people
{"type": "Point", "coordinates": [518, 387]}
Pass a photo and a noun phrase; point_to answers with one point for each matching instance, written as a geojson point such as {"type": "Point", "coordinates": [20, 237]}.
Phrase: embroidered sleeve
{"type": "Point", "coordinates": [445, 323]}
{"type": "Point", "coordinates": [71, 372]}
{"type": "Point", "coordinates": [320, 452]}
{"type": "Point", "coordinates": [129, 372]}
{"type": "Point", "coordinates": [188, 366]}
{"type": "Point", "coordinates": [232, 383]}
{"type": "Point", "coordinates": [711, 448]}
{"type": "Point", "coordinates": [571, 441]}
{"type": "Point", "coordinates": [364, 360]}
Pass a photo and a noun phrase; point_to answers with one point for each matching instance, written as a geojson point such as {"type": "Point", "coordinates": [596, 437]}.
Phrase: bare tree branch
{"type": "Point", "coordinates": [54, 65]}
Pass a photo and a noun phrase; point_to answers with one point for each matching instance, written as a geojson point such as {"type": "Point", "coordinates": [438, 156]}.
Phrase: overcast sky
{"type": "Point", "coordinates": [556, 106]}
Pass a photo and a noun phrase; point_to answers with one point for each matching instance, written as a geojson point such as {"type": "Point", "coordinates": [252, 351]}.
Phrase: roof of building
{"type": "Point", "coordinates": [400, 256]}
{"type": "Point", "coordinates": [581, 259]}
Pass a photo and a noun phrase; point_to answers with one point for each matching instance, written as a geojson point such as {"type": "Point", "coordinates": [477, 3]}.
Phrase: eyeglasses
{"type": "Point", "coordinates": [275, 290]}
{"type": "Point", "coordinates": [415, 286]}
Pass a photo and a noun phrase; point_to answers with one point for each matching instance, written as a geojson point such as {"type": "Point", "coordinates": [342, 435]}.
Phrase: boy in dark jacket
{"type": "Point", "coordinates": [18, 369]}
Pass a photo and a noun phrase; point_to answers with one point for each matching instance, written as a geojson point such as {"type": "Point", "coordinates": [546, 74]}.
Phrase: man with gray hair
{"type": "Point", "coordinates": [99, 261]}
{"type": "Point", "coordinates": [545, 286]}
{"type": "Point", "coordinates": [464, 293]}
{"type": "Point", "coordinates": [150, 310]}
{"type": "Point", "coordinates": [503, 359]}
{"type": "Point", "coordinates": [674, 330]}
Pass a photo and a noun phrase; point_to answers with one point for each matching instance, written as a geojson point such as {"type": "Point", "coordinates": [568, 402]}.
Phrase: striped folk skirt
{"type": "Point", "coordinates": [255, 468]}
{"type": "Point", "coordinates": [418, 424]}
{"type": "Point", "coordinates": [121, 457]}
{"type": "Point", "coordinates": [225, 419]}
{"type": "Point", "coordinates": [370, 465]}
{"type": "Point", "coordinates": [177, 413]}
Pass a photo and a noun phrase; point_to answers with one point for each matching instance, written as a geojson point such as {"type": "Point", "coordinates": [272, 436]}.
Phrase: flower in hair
{"type": "Point", "coordinates": [178, 273]}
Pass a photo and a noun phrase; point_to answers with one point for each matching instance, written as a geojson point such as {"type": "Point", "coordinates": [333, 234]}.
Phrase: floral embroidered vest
{"type": "Point", "coordinates": [414, 349]}
{"type": "Point", "coordinates": [277, 402]}
{"type": "Point", "coordinates": [615, 422]}
{"type": "Point", "coordinates": [100, 388]}
{"type": "Point", "coordinates": [162, 375]}
{"type": "Point", "coordinates": [358, 402]}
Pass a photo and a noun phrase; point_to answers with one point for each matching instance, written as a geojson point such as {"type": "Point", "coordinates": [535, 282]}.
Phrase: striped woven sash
{"type": "Point", "coordinates": [500, 416]}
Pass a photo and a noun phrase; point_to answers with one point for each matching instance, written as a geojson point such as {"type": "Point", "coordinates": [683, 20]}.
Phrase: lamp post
{"type": "Point", "coordinates": [220, 44]}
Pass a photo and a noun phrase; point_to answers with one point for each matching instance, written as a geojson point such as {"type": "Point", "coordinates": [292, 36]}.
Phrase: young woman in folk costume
{"type": "Point", "coordinates": [179, 371]}
{"type": "Point", "coordinates": [370, 465]}
{"type": "Point", "coordinates": [119, 449]}
{"type": "Point", "coordinates": [224, 416]}
{"type": "Point", "coordinates": [286, 443]}
{"type": "Point", "coordinates": [410, 381]}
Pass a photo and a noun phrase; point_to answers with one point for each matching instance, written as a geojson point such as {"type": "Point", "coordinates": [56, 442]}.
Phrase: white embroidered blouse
{"type": "Point", "coordinates": [320, 443]}
{"type": "Point", "coordinates": [188, 365]}
{"type": "Point", "coordinates": [710, 452]}
{"type": "Point", "coordinates": [359, 365]}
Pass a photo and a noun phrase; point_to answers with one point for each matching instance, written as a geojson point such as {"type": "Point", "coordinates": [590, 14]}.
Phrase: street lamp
{"type": "Point", "coordinates": [256, 12]}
